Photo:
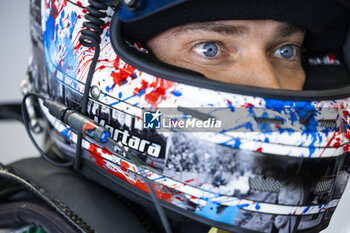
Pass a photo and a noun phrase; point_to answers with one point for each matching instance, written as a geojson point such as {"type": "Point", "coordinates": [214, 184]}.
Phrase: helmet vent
{"type": "Point", "coordinates": [262, 120]}
{"type": "Point", "coordinates": [265, 185]}
{"type": "Point", "coordinates": [328, 123]}
{"type": "Point", "coordinates": [323, 186]}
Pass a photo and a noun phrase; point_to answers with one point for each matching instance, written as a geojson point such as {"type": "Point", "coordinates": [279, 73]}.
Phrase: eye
{"type": "Point", "coordinates": [207, 49]}
{"type": "Point", "coordinates": [286, 52]}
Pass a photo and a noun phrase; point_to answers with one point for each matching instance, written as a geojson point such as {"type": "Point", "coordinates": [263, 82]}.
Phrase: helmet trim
{"type": "Point", "coordinates": [99, 176]}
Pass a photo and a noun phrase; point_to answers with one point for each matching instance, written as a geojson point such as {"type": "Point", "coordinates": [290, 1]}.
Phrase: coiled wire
{"type": "Point", "coordinates": [90, 37]}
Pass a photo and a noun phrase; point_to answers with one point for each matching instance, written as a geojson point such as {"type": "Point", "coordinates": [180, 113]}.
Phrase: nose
{"type": "Point", "coordinates": [259, 69]}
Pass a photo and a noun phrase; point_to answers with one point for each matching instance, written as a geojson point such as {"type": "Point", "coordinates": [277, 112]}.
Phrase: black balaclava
{"type": "Point", "coordinates": [326, 22]}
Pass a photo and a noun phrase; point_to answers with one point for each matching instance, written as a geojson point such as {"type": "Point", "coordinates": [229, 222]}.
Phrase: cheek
{"type": "Point", "coordinates": [291, 79]}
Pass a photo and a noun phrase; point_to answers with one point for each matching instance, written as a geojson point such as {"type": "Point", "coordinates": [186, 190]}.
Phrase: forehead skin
{"type": "Point", "coordinates": [248, 52]}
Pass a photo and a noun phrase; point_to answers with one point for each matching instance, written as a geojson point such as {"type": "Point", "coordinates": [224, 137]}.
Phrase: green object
{"type": "Point", "coordinates": [34, 230]}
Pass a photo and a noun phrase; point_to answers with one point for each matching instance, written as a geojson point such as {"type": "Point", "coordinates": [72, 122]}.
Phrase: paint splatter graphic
{"type": "Point", "coordinates": [225, 176]}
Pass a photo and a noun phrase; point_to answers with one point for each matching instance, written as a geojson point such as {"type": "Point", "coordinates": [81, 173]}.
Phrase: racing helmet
{"type": "Point", "coordinates": [235, 157]}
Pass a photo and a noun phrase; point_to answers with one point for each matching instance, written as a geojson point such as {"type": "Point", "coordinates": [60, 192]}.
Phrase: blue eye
{"type": "Point", "coordinates": [286, 51]}
{"type": "Point", "coordinates": [208, 49]}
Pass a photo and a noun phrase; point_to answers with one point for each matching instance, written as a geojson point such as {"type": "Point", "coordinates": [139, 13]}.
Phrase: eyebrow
{"type": "Point", "coordinates": [227, 30]}
{"type": "Point", "coordinates": [284, 30]}
{"type": "Point", "coordinates": [287, 29]}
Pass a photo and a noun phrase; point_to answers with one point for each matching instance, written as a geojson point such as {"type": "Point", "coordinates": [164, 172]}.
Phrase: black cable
{"type": "Point", "coordinates": [71, 117]}
{"type": "Point", "coordinates": [90, 37]}
{"type": "Point", "coordinates": [26, 126]}
{"type": "Point", "coordinates": [10, 111]}
{"type": "Point", "coordinates": [156, 203]}
{"type": "Point", "coordinates": [154, 197]}
{"type": "Point", "coordinates": [84, 105]}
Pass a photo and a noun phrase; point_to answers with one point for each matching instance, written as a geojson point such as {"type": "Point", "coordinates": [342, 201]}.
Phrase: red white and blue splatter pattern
{"type": "Point", "coordinates": [194, 166]}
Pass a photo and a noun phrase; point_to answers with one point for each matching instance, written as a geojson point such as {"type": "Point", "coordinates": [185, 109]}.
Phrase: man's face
{"type": "Point", "coordinates": [262, 53]}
